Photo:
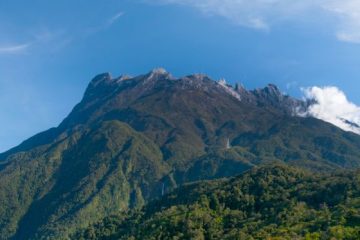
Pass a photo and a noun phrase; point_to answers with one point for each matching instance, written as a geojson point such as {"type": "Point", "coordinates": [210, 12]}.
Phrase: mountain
{"type": "Point", "coordinates": [270, 202]}
{"type": "Point", "coordinates": [131, 139]}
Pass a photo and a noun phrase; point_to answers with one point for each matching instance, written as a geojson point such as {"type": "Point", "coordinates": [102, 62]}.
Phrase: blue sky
{"type": "Point", "coordinates": [50, 50]}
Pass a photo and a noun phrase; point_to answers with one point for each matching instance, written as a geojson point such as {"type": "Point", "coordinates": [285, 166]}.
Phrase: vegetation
{"type": "Point", "coordinates": [271, 202]}
{"type": "Point", "coordinates": [129, 139]}
{"type": "Point", "coordinates": [53, 190]}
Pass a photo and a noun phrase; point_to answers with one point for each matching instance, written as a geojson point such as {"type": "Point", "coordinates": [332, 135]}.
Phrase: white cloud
{"type": "Point", "coordinates": [263, 14]}
{"type": "Point", "coordinates": [258, 14]}
{"type": "Point", "coordinates": [114, 18]}
{"type": "Point", "coordinates": [12, 49]}
{"type": "Point", "coordinates": [332, 105]}
{"type": "Point", "coordinates": [348, 16]}
{"type": "Point", "coordinates": [104, 26]}
{"type": "Point", "coordinates": [53, 40]}
{"type": "Point", "coordinates": [40, 40]}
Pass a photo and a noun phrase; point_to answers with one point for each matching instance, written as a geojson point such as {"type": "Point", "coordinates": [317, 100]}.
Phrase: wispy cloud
{"type": "Point", "coordinates": [39, 39]}
{"type": "Point", "coordinates": [348, 16]}
{"type": "Point", "coordinates": [56, 39]}
{"type": "Point", "coordinates": [115, 18]}
{"type": "Point", "coordinates": [102, 26]}
{"type": "Point", "coordinates": [258, 14]}
{"type": "Point", "coordinates": [263, 14]}
{"type": "Point", "coordinates": [46, 35]}
{"type": "Point", "coordinates": [13, 49]}
{"type": "Point", "coordinates": [45, 39]}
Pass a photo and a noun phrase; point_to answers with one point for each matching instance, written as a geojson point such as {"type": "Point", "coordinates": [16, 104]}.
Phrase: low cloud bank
{"type": "Point", "coordinates": [330, 104]}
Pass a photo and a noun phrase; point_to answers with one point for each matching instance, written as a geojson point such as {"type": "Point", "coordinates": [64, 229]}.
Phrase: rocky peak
{"type": "Point", "coordinates": [270, 94]}
{"type": "Point", "coordinates": [240, 88]}
{"type": "Point", "coordinates": [100, 79]}
{"type": "Point", "coordinates": [98, 84]}
{"type": "Point", "coordinates": [159, 70]}
{"type": "Point", "coordinates": [197, 77]}
{"type": "Point", "coordinates": [229, 89]}
{"type": "Point", "coordinates": [123, 78]}
{"type": "Point", "coordinates": [158, 74]}
{"type": "Point", "coordinates": [271, 90]}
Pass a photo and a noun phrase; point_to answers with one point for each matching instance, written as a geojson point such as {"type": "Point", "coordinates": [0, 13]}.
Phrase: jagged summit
{"type": "Point", "coordinates": [197, 76]}
{"type": "Point", "coordinates": [271, 90]}
{"type": "Point", "coordinates": [198, 80]}
{"type": "Point", "coordinates": [100, 79]}
{"type": "Point", "coordinates": [229, 89]}
{"type": "Point", "coordinates": [107, 79]}
{"type": "Point", "coordinates": [159, 70]}
{"type": "Point", "coordinates": [159, 74]}
{"type": "Point", "coordinates": [124, 78]}
{"type": "Point", "coordinates": [159, 78]}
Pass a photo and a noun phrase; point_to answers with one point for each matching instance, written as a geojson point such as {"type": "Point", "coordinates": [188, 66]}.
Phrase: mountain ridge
{"type": "Point", "coordinates": [102, 81]}
{"type": "Point", "coordinates": [132, 138]}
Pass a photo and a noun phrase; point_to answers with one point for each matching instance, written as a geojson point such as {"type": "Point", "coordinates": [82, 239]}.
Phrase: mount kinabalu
{"type": "Point", "coordinates": [131, 138]}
